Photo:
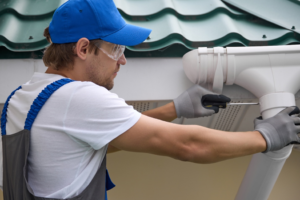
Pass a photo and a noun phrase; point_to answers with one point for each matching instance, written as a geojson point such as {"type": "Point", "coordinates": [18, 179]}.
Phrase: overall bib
{"type": "Point", "coordinates": [15, 152]}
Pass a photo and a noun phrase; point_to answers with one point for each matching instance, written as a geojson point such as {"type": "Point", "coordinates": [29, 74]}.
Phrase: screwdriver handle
{"type": "Point", "coordinates": [218, 104]}
{"type": "Point", "coordinates": [214, 101]}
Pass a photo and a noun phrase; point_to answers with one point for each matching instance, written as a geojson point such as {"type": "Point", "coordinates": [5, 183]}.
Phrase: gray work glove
{"type": "Point", "coordinates": [198, 102]}
{"type": "Point", "coordinates": [280, 130]}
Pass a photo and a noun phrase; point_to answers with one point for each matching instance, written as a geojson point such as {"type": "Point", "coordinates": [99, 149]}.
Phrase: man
{"type": "Point", "coordinates": [71, 119]}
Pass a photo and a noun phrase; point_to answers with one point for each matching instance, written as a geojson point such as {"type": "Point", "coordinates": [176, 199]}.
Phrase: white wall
{"type": "Point", "coordinates": [13, 73]}
{"type": "Point", "coordinates": [142, 79]}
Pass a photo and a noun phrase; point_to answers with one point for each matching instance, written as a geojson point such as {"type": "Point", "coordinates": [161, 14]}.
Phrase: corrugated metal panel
{"type": "Point", "coordinates": [178, 26]}
{"type": "Point", "coordinates": [281, 12]}
{"type": "Point", "coordinates": [136, 8]}
{"type": "Point", "coordinates": [22, 23]}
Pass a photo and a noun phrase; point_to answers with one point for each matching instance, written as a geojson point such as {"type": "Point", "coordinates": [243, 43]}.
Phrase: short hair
{"type": "Point", "coordinates": [59, 56]}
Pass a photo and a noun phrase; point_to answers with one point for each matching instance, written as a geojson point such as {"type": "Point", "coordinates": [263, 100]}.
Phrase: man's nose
{"type": "Point", "coordinates": [122, 60]}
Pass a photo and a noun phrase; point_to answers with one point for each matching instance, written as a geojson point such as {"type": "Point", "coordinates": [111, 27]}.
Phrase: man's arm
{"type": "Point", "coordinates": [188, 104]}
{"type": "Point", "coordinates": [165, 113]}
{"type": "Point", "coordinates": [188, 142]}
{"type": "Point", "coordinates": [203, 145]}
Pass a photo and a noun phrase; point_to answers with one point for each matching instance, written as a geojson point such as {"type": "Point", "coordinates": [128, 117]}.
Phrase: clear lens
{"type": "Point", "coordinates": [114, 51]}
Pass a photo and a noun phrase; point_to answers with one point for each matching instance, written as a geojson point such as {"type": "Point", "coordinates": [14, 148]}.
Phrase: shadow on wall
{"type": "Point", "coordinates": [147, 177]}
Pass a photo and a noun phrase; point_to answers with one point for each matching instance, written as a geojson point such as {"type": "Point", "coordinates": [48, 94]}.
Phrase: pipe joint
{"type": "Point", "coordinates": [274, 101]}
{"type": "Point", "coordinates": [280, 155]}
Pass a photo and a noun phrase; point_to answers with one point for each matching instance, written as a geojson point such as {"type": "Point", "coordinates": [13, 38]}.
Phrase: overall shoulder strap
{"type": "Point", "coordinates": [41, 100]}
{"type": "Point", "coordinates": [4, 111]}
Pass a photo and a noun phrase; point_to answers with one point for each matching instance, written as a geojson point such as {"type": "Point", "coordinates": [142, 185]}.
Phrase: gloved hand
{"type": "Point", "coordinates": [190, 103]}
{"type": "Point", "coordinates": [280, 130]}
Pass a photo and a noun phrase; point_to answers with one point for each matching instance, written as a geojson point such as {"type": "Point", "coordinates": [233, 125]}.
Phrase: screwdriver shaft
{"type": "Point", "coordinates": [240, 104]}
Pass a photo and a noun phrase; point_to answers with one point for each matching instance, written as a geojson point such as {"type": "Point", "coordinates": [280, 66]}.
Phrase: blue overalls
{"type": "Point", "coordinates": [16, 149]}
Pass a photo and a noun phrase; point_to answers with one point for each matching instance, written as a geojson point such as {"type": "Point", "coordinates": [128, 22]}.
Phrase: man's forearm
{"type": "Point", "coordinates": [165, 113]}
{"type": "Point", "coordinates": [188, 142]}
{"type": "Point", "coordinates": [209, 146]}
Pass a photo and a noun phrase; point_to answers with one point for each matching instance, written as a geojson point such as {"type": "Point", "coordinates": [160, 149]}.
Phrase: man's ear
{"type": "Point", "coordinates": [81, 48]}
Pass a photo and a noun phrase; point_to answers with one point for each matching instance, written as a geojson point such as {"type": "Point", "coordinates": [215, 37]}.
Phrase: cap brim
{"type": "Point", "coordinates": [129, 35]}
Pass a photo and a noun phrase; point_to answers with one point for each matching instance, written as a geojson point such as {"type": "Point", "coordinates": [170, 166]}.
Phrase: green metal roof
{"type": "Point", "coordinates": [283, 13]}
{"type": "Point", "coordinates": [22, 23]}
{"type": "Point", "coordinates": [177, 26]}
{"type": "Point", "coordinates": [184, 8]}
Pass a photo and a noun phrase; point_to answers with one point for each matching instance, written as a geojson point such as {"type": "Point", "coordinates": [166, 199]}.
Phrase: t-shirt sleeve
{"type": "Point", "coordinates": [97, 116]}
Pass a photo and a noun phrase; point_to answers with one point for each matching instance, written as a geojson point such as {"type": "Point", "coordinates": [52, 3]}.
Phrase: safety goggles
{"type": "Point", "coordinates": [114, 51]}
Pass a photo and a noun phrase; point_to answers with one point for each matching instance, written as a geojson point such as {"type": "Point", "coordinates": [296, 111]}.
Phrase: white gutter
{"type": "Point", "coordinates": [270, 73]}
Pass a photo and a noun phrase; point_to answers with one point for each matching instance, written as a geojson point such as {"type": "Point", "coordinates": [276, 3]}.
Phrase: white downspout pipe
{"type": "Point", "coordinates": [272, 74]}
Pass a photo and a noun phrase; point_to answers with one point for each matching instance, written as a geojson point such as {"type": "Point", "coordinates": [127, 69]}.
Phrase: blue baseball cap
{"type": "Point", "coordinates": [93, 19]}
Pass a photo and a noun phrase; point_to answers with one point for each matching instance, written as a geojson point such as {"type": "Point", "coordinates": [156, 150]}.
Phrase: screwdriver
{"type": "Point", "coordinates": [224, 105]}
{"type": "Point", "coordinates": [241, 104]}
{"type": "Point", "coordinates": [212, 101]}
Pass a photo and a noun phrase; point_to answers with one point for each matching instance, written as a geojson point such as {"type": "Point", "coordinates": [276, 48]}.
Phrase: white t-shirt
{"type": "Point", "coordinates": [70, 135]}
